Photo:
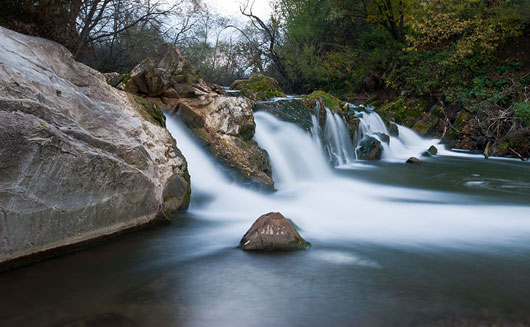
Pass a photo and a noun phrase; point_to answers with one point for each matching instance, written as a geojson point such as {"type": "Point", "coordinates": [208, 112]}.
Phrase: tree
{"type": "Point", "coordinates": [270, 32]}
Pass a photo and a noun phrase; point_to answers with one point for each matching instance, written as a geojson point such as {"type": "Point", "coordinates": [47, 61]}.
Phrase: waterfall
{"type": "Point", "coordinates": [339, 144]}
{"type": "Point", "coordinates": [294, 155]}
{"type": "Point", "coordinates": [341, 148]}
{"type": "Point", "coordinates": [333, 207]}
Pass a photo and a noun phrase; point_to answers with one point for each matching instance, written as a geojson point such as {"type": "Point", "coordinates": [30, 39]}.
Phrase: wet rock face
{"type": "Point", "coordinates": [289, 110]}
{"type": "Point", "coordinates": [272, 232]}
{"type": "Point", "coordinates": [369, 149]}
{"type": "Point", "coordinates": [383, 137]}
{"type": "Point", "coordinates": [393, 129]}
{"type": "Point", "coordinates": [224, 124]}
{"type": "Point", "coordinates": [413, 160]}
{"type": "Point", "coordinates": [78, 158]}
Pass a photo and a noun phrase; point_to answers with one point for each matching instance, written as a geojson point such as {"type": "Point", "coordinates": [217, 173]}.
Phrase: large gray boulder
{"type": "Point", "coordinates": [79, 159]}
{"type": "Point", "coordinates": [272, 232]}
{"type": "Point", "coordinates": [225, 124]}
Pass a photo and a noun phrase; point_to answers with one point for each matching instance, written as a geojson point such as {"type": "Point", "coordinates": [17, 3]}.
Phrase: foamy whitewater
{"type": "Point", "coordinates": [331, 207]}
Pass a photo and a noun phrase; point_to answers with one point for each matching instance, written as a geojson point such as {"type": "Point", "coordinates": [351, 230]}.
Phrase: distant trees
{"type": "Point", "coordinates": [123, 32]}
{"type": "Point", "coordinates": [114, 35]}
{"type": "Point", "coordinates": [81, 24]}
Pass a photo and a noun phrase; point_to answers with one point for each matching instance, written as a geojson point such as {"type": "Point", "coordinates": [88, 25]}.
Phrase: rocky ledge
{"type": "Point", "coordinates": [79, 160]}
{"type": "Point", "coordinates": [223, 123]}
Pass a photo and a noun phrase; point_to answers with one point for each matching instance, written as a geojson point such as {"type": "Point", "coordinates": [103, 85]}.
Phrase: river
{"type": "Point", "coordinates": [442, 243]}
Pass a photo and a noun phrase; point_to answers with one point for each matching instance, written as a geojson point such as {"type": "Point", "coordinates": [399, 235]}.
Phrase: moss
{"type": "Point", "coordinates": [402, 111]}
{"type": "Point", "coordinates": [325, 98]}
{"type": "Point", "coordinates": [151, 111]}
{"type": "Point", "coordinates": [421, 128]}
{"type": "Point", "coordinates": [43, 124]}
{"type": "Point", "coordinates": [126, 81]}
{"type": "Point", "coordinates": [462, 117]}
{"type": "Point", "coordinates": [259, 87]}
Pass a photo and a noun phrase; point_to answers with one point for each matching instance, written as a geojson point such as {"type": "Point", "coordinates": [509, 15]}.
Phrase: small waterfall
{"type": "Point", "coordinates": [338, 142]}
{"type": "Point", "coordinates": [335, 140]}
{"type": "Point", "coordinates": [316, 131]}
{"type": "Point", "coordinates": [295, 156]}
{"type": "Point", "coordinates": [370, 124]}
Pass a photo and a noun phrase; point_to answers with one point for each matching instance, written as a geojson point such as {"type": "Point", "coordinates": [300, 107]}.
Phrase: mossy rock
{"type": "Point", "coordinates": [426, 126]}
{"type": "Point", "coordinates": [432, 151]}
{"type": "Point", "coordinates": [515, 144]}
{"type": "Point", "coordinates": [402, 111]}
{"type": "Point", "coordinates": [258, 87]}
{"type": "Point", "coordinates": [352, 121]}
{"type": "Point", "coordinates": [289, 110]}
{"type": "Point", "coordinates": [150, 110]}
{"type": "Point", "coordinates": [458, 125]}
{"type": "Point", "coordinates": [325, 99]}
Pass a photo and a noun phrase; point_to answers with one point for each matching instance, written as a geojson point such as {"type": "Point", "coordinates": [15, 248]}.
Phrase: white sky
{"type": "Point", "coordinates": [230, 8]}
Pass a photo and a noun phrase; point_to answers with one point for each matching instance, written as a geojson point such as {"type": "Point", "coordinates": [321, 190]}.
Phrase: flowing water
{"type": "Point", "coordinates": [443, 243]}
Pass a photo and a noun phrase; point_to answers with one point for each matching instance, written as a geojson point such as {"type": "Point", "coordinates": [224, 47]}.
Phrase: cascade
{"type": "Point", "coordinates": [339, 144]}
{"type": "Point", "coordinates": [328, 206]}
{"type": "Point", "coordinates": [341, 149]}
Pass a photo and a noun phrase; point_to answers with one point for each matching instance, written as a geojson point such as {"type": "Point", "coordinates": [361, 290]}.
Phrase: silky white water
{"type": "Point", "coordinates": [330, 207]}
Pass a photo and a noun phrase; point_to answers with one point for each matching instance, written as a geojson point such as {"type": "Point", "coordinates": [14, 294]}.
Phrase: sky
{"type": "Point", "coordinates": [230, 8]}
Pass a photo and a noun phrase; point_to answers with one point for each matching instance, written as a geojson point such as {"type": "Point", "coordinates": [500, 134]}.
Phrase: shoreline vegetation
{"type": "Point", "coordinates": [453, 69]}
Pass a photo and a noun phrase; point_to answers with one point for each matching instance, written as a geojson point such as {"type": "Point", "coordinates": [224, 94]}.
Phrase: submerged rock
{"type": "Point", "coordinates": [224, 124]}
{"type": "Point", "coordinates": [369, 149]}
{"type": "Point", "coordinates": [413, 160]}
{"type": "Point", "coordinates": [79, 159]}
{"type": "Point", "coordinates": [258, 87]}
{"type": "Point", "coordinates": [271, 232]}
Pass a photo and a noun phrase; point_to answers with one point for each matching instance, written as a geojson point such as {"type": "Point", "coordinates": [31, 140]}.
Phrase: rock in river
{"type": "Point", "coordinates": [369, 148]}
{"type": "Point", "coordinates": [432, 151]}
{"type": "Point", "coordinates": [270, 232]}
{"type": "Point", "coordinates": [79, 159]}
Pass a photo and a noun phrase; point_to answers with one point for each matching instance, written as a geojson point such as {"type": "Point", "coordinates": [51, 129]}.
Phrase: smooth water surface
{"type": "Point", "coordinates": [443, 243]}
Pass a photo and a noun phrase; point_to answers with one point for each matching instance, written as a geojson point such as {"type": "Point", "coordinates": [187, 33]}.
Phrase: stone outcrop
{"type": "Point", "coordinates": [79, 160]}
{"type": "Point", "coordinates": [258, 87]}
{"type": "Point", "coordinates": [224, 124]}
{"type": "Point", "coordinates": [393, 129]}
{"type": "Point", "coordinates": [369, 149]}
{"type": "Point", "coordinates": [413, 160]}
{"type": "Point", "coordinates": [271, 232]}
{"type": "Point", "coordinates": [290, 110]}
